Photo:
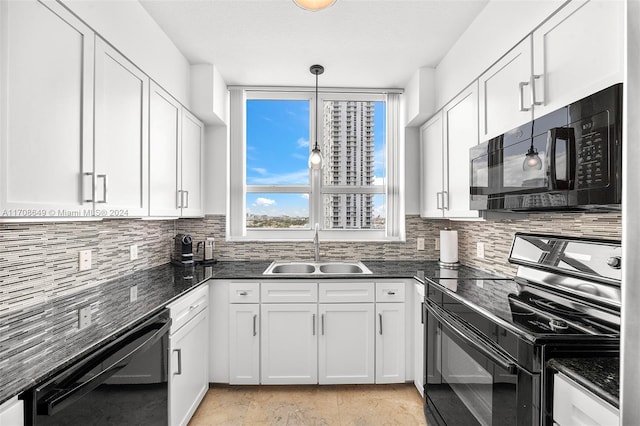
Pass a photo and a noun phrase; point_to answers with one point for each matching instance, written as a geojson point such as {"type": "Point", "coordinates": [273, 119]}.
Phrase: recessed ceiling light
{"type": "Point", "coordinates": [314, 5]}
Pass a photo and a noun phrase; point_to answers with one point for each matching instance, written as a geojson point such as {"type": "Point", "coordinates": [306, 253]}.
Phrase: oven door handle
{"type": "Point", "coordinates": [475, 341]}
{"type": "Point", "coordinates": [70, 391]}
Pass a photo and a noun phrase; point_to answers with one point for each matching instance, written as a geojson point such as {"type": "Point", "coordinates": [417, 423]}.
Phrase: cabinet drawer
{"type": "Point", "coordinates": [248, 292]}
{"type": "Point", "coordinates": [390, 292]}
{"type": "Point", "coordinates": [289, 292]}
{"type": "Point", "coordinates": [346, 292]}
{"type": "Point", "coordinates": [188, 306]}
{"type": "Point", "coordinates": [575, 405]}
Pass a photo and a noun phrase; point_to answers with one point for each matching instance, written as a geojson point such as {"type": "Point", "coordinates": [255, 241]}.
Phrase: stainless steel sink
{"type": "Point", "coordinates": [317, 268]}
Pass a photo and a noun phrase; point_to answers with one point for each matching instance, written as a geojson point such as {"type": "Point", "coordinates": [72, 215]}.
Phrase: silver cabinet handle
{"type": "Point", "coordinates": [93, 185]}
{"type": "Point", "coordinates": [243, 293]}
{"type": "Point", "coordinates": [380, 317]}
{"type": "Point", "coordinates": [445, 200]}
{"type": "Point", "coordinates": [104, 188]}
{"type": "Point", "coordinates": [179, 199]}
{"type": "Point", "coordinates": [533, 90]}
{"type": "Point", "coordinates": [438, 194]}
{"type": "Point", "coordinates": [179, 372]}
{"type": "Point", "coordinates": [521, 95]}
{"type": "Point", "coordinates": [391, 293]}
{"type": "Point", "coordinates": [186, 206]}
{"type": "Point", "coordinates": [322, 323]}
{"type": "Point", "coordinates": [255, 321]}
{"type": "Point", "coordinates": [192, 307]}
{"type": "Point", "coordinates": [313, 324]}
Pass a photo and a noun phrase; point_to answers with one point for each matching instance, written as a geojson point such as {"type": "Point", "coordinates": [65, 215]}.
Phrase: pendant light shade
{"type": "Point", "coordinates": [314, 5]}
{"type": "Point", "coordinates": [315, 159]}
{"type": "Point", "coordinates": [532, 160]}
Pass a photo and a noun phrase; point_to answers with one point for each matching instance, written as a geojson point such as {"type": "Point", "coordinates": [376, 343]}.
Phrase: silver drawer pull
{"type": "Point", "coordinates": [313, 324]}
{"type": "Point", "coordinates": [177, 373]}
{"type": "Point", "coordinates": [243, 293]}
{"type": "Point", "coordinates": [380, 316]}
{"type": "Point", "coordinates": [192, 307]}
{"type": "Point", "coordinates": [391, 293]}
{"type": "Point", "coordinates": [255, 320]}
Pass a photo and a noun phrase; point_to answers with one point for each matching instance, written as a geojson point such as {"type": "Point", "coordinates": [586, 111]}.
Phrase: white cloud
{"type": "Point", "coordinates": [259, 170]}
{"type": "Point", "coordinates": [264, 202]}
{"type": "Point", "coordinates": [300, 177]}
{"type": "Point", "coordinates": [305, 196]}
{"type": "Point", "coordinates": [302, 143]}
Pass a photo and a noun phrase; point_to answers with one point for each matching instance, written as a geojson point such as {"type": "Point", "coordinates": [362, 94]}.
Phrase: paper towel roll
{"type": "Point", "coordinates": [448, 246]}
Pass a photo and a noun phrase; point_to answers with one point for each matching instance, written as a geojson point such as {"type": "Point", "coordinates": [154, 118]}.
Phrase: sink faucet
{"type": "Point", "coordinates": [316, 244]}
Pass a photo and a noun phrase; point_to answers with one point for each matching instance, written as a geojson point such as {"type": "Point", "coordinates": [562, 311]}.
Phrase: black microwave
{"type": "Point", "coordinates": [569, 159]}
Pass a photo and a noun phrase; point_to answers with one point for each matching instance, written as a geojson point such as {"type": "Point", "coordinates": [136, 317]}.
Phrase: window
{"type": "Point", "coordinates": [274, 194]}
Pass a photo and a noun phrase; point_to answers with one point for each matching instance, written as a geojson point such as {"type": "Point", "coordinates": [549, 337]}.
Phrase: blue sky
{"type": "Point", "coordinates": [278, 150]}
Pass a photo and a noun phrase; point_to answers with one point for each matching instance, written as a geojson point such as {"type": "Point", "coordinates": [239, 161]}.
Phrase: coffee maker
{"type": "Point", "coordinates": [183, 251]}
{"type": "Point", "coordinates": [205, 251]}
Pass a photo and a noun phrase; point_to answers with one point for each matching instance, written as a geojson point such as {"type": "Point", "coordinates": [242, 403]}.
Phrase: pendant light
{"type": "Point", "coordinates": [314, 5]}
{"type": "Point", "coordinates": [532, 160]}
{"type": "Point", "coordinates": [315, 159]}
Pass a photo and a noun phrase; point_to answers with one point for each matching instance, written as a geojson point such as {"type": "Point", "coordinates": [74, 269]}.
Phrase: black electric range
{"type": "Point", "coordinates": [487, 340]}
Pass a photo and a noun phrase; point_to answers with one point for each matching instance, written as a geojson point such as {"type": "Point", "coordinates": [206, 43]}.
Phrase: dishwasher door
{"type": "Point", "coordinates": [90, 391]}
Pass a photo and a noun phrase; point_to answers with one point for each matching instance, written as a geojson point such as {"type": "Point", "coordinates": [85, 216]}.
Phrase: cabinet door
{"type": "Point", "coordinates": [573, 405]}
{"type": "Point", "coordinates": [418, 338]}
{"type": "Point", "coordinates": [46, 110]}
{"type": "Point", "coordinates": [121, 134]}
{"type": "Point", "coordinates": [461, 133]}
{"type": "Point", "coordinates": [289, 346]}
{"type": "Point", "coordinates": [189, 376]}
{"type": "Point", "coordinates": [244, 344]}
{"type": "Point", "coordinates": [431, 169]}
{"type": "Point", "coordinates": [577, 52]}
{"type": "Point", "coordinates": [165, 116]}
{"type": "Point", "coordinates": [191, 161]}
{"type": "Point", "coordinates": [505, 92]}
{"type": "Point", "coordinates": [390, 343]}
{"type": "Point", "coordinates": [346, 343]}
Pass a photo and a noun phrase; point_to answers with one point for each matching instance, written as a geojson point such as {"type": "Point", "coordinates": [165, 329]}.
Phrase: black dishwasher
{"type": "Point", "coordinates": [122, 383]}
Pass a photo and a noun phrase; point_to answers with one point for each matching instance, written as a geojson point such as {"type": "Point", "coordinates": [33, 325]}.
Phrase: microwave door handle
{"type": "Point", "coordinates": [459, 329]}
{"type": "Point", "coordinates": [69, 395]}
{"type": "Point", "coordinates": [568, 136]}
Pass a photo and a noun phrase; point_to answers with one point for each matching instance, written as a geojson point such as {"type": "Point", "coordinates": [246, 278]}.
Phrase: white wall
{"type": "Point", "coordinates": [127, 25]}
{"type": "Point", "coordinates": [499, 27]}
{"type": "Point", "coordinates": [412, 170]}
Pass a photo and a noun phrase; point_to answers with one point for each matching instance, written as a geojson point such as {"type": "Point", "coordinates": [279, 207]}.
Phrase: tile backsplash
{"type": "Point", "coordinates": [39, 261]}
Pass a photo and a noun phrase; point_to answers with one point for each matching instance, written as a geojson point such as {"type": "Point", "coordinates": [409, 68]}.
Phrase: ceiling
{"type": "Point", "coordinates": [361, 43]}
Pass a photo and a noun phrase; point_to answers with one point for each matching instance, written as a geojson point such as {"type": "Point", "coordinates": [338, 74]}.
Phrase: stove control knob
{"type": "Point", "coordinates": [557, 324]}
{"type": "Point", "coordinates": [615, 262]}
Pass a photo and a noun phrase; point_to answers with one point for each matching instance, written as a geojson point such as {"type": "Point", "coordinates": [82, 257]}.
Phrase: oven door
{"type": "Point", "coordinates": [470, 381]}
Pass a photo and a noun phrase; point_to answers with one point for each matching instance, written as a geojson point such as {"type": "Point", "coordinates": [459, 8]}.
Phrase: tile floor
{"type": "Point", "coordinates": [310, 405]}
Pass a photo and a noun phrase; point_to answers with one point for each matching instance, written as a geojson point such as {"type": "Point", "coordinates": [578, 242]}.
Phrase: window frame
{"type": "Point", "coordinates": [393, 188]}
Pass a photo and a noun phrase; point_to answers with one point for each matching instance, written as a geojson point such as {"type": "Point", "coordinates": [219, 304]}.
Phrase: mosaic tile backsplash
{"type": "Point", "coordinates": [39, 261]}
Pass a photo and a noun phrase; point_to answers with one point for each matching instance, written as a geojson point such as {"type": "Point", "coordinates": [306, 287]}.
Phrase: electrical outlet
{"type": "Point", "coordinates": [133, 293]}
{"type": "Point", "coordinates": [84, 317]}
{"type": "Point", "coordinates": [84, 260]}
{"type": "Point", "coordinates": [437, 244]}
{"type": "Point", "coordinates": [420, 245]}
{"type": "Point", "coordinates": [480, 250]}
{"type": "Point", "coordinates": [133, 252]}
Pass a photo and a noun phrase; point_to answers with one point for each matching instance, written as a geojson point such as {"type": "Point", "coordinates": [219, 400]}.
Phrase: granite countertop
{"type": "Point", "coordinates": [40, 340]}
{"type": "Point", "coordinates": [600, 375]}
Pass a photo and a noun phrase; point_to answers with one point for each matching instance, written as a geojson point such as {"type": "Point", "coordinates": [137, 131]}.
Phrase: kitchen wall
{"type": "Point", "coordinates": [39, 261]}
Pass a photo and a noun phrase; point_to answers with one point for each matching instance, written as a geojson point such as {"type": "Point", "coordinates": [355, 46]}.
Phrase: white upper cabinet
{"type": "Point", "coordinates": [460, 133]}
{"type": "Point", "coordinates": [46, 112]}
{"type": "Point", "coordinates": [431, 167]}
{"type": "Point", "coordinates": [505, 92]}
{"type": "Point", "coordinates": [191, 161]}
{"type": "Point", "coordinates": [121, 134]}
{"type": "Point", "coordinates": [165, 117]}
{"type": "Point", "coordinates": [577, 52]}
{"type": "Point", "coordinates": [444, 149]}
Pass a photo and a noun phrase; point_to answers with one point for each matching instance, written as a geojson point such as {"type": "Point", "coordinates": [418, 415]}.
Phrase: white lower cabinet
{"type": "Point", "coordinates": [390, 343]}
{"type": "Point", "coordinates": [346, 343]}
{"type": "Point", "coordinates": [244, 344]}
{"type": "Point", "coordinates": [289, 345]}
{"type": "Point", "coordinates": [12, 412]}
{"type": "Point", "coordinates": [189, 355]}
{"type": "Point", "coordinates": [574, 405]}
{"type": "Point", "coordinates": [418, 338]}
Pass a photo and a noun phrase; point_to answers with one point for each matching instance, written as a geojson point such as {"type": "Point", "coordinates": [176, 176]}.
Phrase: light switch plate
{"type": "Point", "coordinates": [84, 260]}
{"type": "Point", "coordinates": [133, 252]}
{"type": "Point", "coordinates": [420, 243]}
{"type": "Point", "coordinates": [480, 250]}
{"type": "Point", "coordinates": [437, 247]}
{"type": "Point", "coordinates": [133, 293]}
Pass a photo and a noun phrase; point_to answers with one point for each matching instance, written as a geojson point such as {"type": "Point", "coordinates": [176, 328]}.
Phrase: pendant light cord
{"type": "Point", "coordinates": [315, 146]}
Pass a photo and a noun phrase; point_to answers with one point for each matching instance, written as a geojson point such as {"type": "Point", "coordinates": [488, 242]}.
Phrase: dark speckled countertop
{"type": "Point", "coordinates": [600, 375]}
{"type": "Point", "coordinates": [40, 340]}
